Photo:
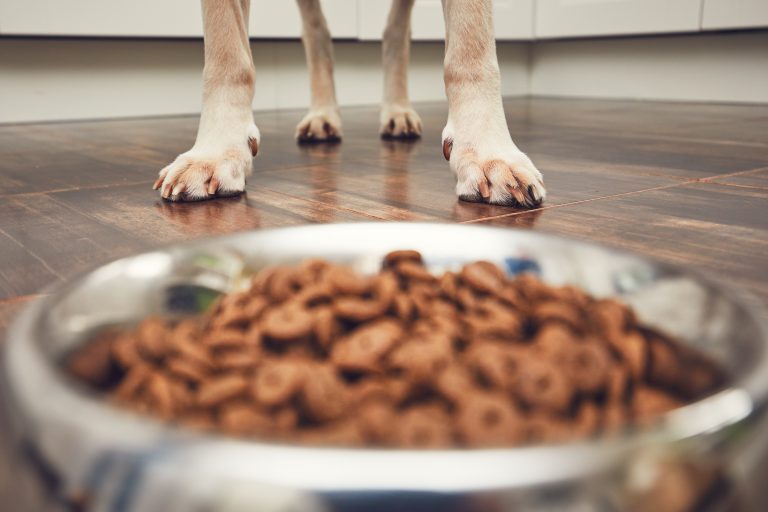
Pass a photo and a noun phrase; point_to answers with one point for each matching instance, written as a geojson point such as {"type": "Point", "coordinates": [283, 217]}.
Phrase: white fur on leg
{"type": "Point", "coordinates": [322, 123]}
{"type": "Point", "coordinates": [398, 119]}
{"type": "Point", "coordinates": [227, 138]}
{"type": "Point", "coordinates": [488, 165]}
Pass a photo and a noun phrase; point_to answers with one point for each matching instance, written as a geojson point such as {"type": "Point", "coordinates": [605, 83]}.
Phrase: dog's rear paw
{"type": "Point", "coordinates": [399, 123]}
{"type": "Point", "coordinates": [493, 171]}
{"type": "Point", "coordinates": [321, 125]}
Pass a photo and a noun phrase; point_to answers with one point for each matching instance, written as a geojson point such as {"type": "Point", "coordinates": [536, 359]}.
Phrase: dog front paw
{"type": "Point", "coordinates": [208, 171]}
{"type": "Point", "coordinates": [319, 125]}
{"type": "Point", "coordinates": [490, 168]}
{"type": "Point", "coordinates": [399, 122]}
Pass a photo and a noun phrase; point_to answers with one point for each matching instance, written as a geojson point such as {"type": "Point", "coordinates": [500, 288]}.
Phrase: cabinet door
{"type": "Point", "coordinates": [720, 14]}
{"type": "Point", "coordinates": [281, 18]}
{"type": "Point", "coordinates": [513, 19]}
{"type": "Point", "coordinates": [569, 18]}
{"type": "Point", "coordinates": [159, 18]}
{"type": "Point", "coordinates": [140, 18]}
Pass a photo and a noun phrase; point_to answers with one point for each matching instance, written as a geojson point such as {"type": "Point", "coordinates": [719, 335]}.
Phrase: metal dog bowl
{"type": "Point", "coordinates": [97, 457]}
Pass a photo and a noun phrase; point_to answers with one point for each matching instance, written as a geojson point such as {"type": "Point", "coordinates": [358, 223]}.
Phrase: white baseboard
{"type": "Point", "coordinates": [726, 67]}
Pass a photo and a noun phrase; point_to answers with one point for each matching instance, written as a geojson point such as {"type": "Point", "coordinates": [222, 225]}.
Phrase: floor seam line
{"type": "Point", "coordinates": [573, 203]}
{"type": "Point", "coordinates": [32, 253]}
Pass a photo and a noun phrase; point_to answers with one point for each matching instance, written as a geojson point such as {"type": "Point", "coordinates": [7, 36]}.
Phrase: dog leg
{"type": "Point", "coordinates": [322, 122]}
{"type": "Point", "coordinates": [398, 119]}
{"type": "Point", "coordinates": [476, 141]}
{"type": "Point", "coordinates": [227, 138]}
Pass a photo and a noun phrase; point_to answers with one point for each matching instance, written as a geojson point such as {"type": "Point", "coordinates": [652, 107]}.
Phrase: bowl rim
{"type": "Point", "coordinates": [339, 468]}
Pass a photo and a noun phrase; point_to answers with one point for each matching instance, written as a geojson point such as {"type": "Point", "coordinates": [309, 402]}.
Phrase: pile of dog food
{"type": "Point", "coordinates": [317, 354]}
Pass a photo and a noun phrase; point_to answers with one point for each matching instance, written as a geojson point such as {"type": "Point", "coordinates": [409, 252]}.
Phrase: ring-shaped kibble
{"type": "Point", "coordinates": [344, 281]}
{"type": "Point", "coordinates": [486, 420]}
{"type": "Point", "coordinates": [365, 346]}
{"type": "Point", "coordinates": [484, 277]}
{"type": "Point", "coordinates": [217, 390]}
{"type": "Point", "coordinates": [557, 311]}
{"type": "Point", "coordinates": [287, 322]}
{"type": "Point", "coordinates": [541, 385]}
{"type": "Point", "coordinates": [423, 427]}
{"type": "Point", "coordinates": [413, 271]}
{"type": "Point", "coordinates": [324, 395]}
{"type": "Point", "coordinates": [587, 366]}
{"type": "Point", "coordinates": [395, 257]}
{"type": "Point", "coordinates": [187, 369]}
{"type": "Point", "coordinates": [277, 381]}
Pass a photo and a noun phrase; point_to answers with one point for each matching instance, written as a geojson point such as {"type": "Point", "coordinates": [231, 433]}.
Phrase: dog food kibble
{"type": "Point", "coordinates": [317, 354]}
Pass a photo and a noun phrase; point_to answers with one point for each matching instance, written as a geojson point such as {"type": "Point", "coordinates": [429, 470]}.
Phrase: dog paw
{"type": "Point", "coordinates": [319, 125]}
{"type": "Point", "coordinates": [399, 122]}
{"type": "Point", "coordinates": [205, 172]}
{"type": "Point", "coordinates": [489, 168]}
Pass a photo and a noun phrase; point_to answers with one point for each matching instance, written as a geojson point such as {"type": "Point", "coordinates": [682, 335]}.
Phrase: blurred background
{"type": "Point", "coordinates": [87, 59]}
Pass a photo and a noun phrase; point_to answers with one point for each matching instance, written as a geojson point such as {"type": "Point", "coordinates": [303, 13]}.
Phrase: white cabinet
{"type": "Point", "coordinates": [513, 19]}
{"type": "Point", "coordinates": [281, 18]}
{"type": "Point", "coordinates": [572, 18]}
{"type": "Point", "coordinates": [159, 18]}
{"type": "Point", "coordinates": [720, 14]}
{"type": "Point", "coordinates": [140, 18]}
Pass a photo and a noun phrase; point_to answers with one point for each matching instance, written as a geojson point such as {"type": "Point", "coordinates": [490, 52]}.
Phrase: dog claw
{"type": "Point", "coordinates": [447, 147]}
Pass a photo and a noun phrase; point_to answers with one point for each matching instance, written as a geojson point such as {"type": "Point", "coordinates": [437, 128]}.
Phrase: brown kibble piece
{"type": "Point", "coordinates": [216, 391]}
{"type": "Point", "coordinates": [399, 256]}
{"type": "Point", "coordinates": [225, 338]}
{"type": "Point", "coordinates": [243, 419]}
{"type": "Point", "coordinates": [556, 311]}
{"type": "Point", "coordinates": [587, 366]}
{"type": "Point", "coordinates": [634, 352]}
{"type": "Point", "coordinates": [649, 403]}
{"type": "Point", "coordinates": [124, 351]}
{"type": "Point", "coordinates": [423, 427]}
{"type": "Point", "coordinates": [133, 382]}
{"type": "Point", "coordinates": [93, 363]}
{"type": "Point", "coordinates": [483, 276]}
{"type": "Point", "coordinates": [151, 338]}
{"type": "Point", "coordinates": [413, 270]}
{"type": "Point", "coordinates": [539, 384]}
{"type": "Point", "coordinates": [277, 382]}
{"type": "Point", "coordinates": [664, 364]}
{"type": "Point", "coordinates": [324, 395]}
{"type": "Point", "coordinates": [187, 369]}
{"type": "Point", "coordinates": [324, 326]}
{"type": "Point", "coordinates": [365, 346]}
{"type": "Point", "coordinates": [489, 420]}
{"type": "Point", "coordinates": [344, 281]}
{"type": "Point", "coordinates": [287, 322]}
{"type": "Point", "coordinates": [160, 395]}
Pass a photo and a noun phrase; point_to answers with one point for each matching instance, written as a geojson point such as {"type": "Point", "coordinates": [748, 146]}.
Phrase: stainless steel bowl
{"type": "Point", "coordinates": [108, 459]}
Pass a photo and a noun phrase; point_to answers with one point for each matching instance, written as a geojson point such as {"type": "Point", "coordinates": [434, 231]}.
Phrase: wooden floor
{"type": "Point", "coordinates": [686, 183]}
